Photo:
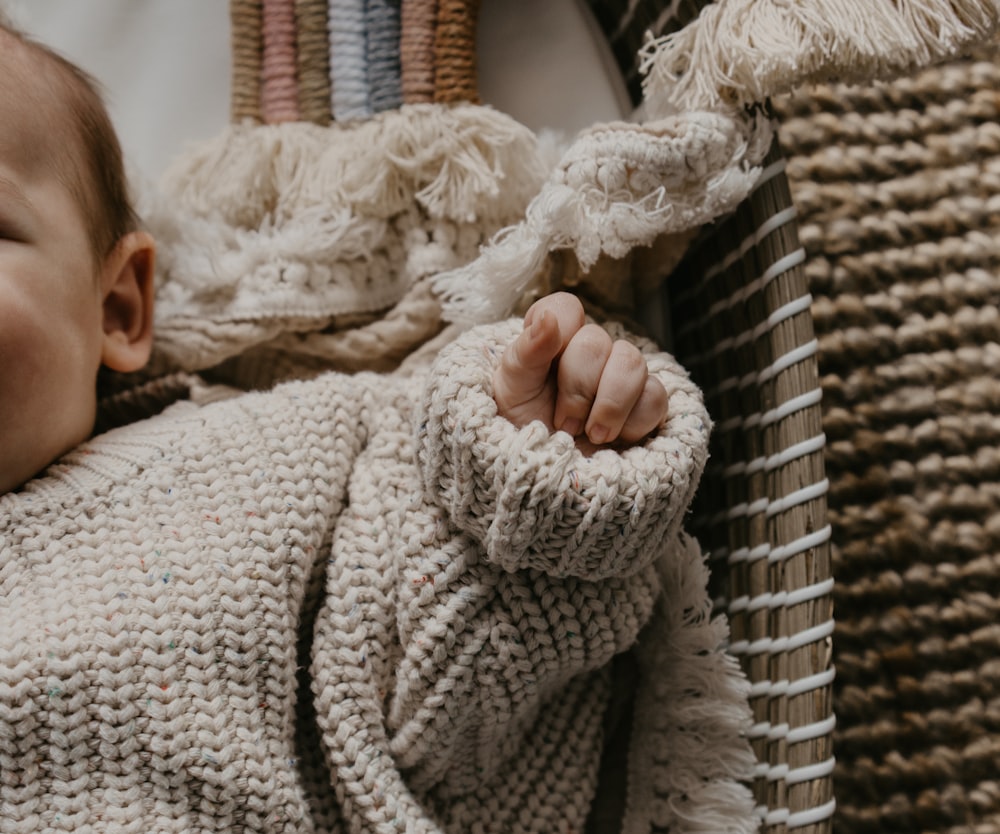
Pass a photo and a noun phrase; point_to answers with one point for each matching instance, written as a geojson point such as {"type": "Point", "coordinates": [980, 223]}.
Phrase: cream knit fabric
{"type": "Point", "coordinates": [271, 235]}
{"type": "Point", "coordinates": [357, 603]}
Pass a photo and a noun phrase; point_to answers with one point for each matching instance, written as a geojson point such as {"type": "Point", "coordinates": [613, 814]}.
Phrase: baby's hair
{"type": "Point", "coordinates": [95, 171]}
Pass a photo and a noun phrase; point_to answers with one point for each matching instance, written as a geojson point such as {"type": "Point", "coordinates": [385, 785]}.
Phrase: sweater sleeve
{"type": "Point", "coordinates": [528, 495]}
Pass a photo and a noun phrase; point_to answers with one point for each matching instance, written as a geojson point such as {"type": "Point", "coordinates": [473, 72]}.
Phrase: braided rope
{"type": "Point", "coordinates": [455, 51]}
{"type": "Point", "coordinates": [416, 49]}
{"type": "Point", "coordinates": [382, 54]}
{"type": "Point", "coordinates": [245, 16]}
{"type": "Point", "coordinates": [313, 61]}
{"type": "Point", "coordinates": [318, 60]}
{"type": "Point", "coordinates": [279, 95]}
{"type": "Point", "coordinates": [348, 65]}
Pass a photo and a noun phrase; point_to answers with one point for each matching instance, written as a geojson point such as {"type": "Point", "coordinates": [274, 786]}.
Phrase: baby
{"type": "Point", "coordinates": [389, 602]}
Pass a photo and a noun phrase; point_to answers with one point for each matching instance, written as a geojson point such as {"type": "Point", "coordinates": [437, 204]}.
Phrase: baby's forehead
{"type": "Point", "coordinates": [35, 127]}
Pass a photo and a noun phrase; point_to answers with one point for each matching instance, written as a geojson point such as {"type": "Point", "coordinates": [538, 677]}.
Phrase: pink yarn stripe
{"type": "Point", "coordinates": [279, 94]}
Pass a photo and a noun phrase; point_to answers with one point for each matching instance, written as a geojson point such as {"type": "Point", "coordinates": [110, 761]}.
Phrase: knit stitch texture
{"type": "Point", "coordinates": [363, 603]}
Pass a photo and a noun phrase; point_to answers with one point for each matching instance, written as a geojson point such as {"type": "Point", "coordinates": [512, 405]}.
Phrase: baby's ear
{"type": "Point", "coordinates": [127, 288]}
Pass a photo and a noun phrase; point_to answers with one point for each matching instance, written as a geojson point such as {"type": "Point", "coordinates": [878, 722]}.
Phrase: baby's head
{"type": "Point", "coordinates": [75, 271]}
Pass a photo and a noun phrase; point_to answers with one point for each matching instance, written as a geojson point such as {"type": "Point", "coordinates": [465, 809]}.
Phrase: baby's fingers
{"type": "Point", "coordinates": [604, 390]}
{"type": "Point", "coordinates": [579, 377]}
{"type": "Point", "coordinates": [523, 372]}
{"type": "Point", "coordinates": [648, 413]}
{"type": "Point", "coordinates": [622, 384]}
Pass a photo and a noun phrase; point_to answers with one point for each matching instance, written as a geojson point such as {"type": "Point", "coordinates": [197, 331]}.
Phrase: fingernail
{"type": "Point", "coordinates": [598, 433]}
{"type": "Point", "coordinates": [572, 426]}
{"type": "Point", "coordinates": [535, 329]}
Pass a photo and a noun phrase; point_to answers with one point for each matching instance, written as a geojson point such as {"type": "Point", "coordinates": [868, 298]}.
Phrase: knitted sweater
{"type": "Point", "coordinates": [360, 603]}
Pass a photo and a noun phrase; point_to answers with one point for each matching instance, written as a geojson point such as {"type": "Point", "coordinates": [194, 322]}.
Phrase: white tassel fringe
{"type": "Point", "coordinates": [694, 704]}
{"type": "Point", "coordinates": [742, 51]}
{"type": "Point", "coordinates": [619, 186]}
{"type": "Point", "coordinates": [464, 162]}
{"type": "Point", "coordinates": [270, 229]}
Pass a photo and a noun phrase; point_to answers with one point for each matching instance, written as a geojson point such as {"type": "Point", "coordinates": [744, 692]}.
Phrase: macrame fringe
{"type": "Point", "coordinates": [618, 187]}
{"type": "Point", "coordinates": [280, 228]}
{"type": "Point", "coordinates": [738, 52]}
{"type": "Point", "coordinates": [461, 162]}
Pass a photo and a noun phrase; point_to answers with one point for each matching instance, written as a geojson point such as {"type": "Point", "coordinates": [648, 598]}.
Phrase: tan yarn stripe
{"type": "Point", "coordinates": [416, 49]}
{"type": "Point", "coordinates": [313, 60]}
{"type": "Point", "coordinates": [455, 51]}
{"type": "Point", "coordinates": [246, 18]}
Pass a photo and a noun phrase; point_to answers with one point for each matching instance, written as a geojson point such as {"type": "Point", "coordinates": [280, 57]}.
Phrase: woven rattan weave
{"type": "Point", "coordinates": [898, 188]}
{"type": "Point", "coordinates": [743, 327]}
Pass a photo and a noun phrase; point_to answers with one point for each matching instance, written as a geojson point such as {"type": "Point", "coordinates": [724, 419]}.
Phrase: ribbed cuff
{"type": "Point", "coordinates": [530, 497]}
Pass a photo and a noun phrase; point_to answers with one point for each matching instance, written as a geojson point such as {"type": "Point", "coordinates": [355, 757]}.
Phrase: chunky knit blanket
{"type": "Point", "coordinates": [360, 603]}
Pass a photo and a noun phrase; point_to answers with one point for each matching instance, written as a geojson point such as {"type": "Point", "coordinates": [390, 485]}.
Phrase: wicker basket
{"type": "Point", "coordinates": [742, 325]}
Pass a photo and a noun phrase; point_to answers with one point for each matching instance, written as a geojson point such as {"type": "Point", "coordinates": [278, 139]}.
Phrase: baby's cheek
{"type": "Point", "coordinates": [47, 392]}
{"type": "Point", "coordinates": [23, 354]}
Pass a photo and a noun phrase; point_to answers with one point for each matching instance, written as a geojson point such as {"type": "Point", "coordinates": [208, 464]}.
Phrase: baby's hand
{"type": "Point", "coordinates": [573, 377]}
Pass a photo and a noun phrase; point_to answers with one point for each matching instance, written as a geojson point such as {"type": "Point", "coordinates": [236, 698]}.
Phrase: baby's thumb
{"type": "Point", "coordinates": [524, 368]}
